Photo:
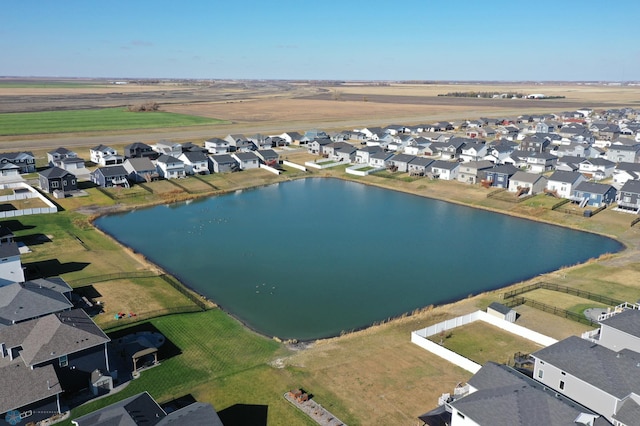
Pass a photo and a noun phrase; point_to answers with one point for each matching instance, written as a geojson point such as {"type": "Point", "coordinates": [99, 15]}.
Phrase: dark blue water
{"type": "Point", "coordinates": [311, 258]}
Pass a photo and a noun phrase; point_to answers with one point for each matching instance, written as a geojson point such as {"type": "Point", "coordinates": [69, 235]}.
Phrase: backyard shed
{"type": "Point", "coordinates": [501, 311]}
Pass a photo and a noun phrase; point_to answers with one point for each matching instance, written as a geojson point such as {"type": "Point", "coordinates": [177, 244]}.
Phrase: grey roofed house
{"type": "Point", "coordinates": [52, 336]}
{"type": "Point", "coordinates": [140, 169]}
{"type": "Point", "coordinates": [501, 396]}
{"type": "Point", "coordinates": [143, 410]}
{"type": "Point", "coordinates": [24, 301]}
{"type": "Point", "coordinates": [25, 386]}
{"type": "Point", "coordinates": [627, 321]}
{"type": "Point", "coordinates": [566, 177]}
{"type": "Point", "coordinates": [267, 155]}
{"type": "Point", "coordinates": [615, 373]}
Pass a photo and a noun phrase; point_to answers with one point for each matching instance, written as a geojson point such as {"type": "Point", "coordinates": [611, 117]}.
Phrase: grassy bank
{"type": "Point", "coordinates": [28, 123]}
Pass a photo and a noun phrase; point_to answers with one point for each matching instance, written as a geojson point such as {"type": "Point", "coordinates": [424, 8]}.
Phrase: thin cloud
{"type": "Point", "coordinates": [140, 43]}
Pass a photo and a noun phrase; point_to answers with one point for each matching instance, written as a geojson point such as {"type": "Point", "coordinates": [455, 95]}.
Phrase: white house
{"type": "Point", "coordinates": [195, 162]}
{"type": "Point", "coordinates": [563, 183]}
{"type": "Point", "coordinates": [170, 167]}
{"type": "Point", "coordinates": [105, 155]}
{"type": "Point", "coordinates": [246, 160]}
{"type": "Point", "coordinates": [217, 146]}
{"type": "Point", "coordinates": [10, 265]}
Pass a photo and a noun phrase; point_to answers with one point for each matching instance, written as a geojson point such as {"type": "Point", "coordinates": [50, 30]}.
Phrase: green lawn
{"type": "Point", "coordinates": [25, 123]}
{"type": "Point", "coordinates": [221, 362]}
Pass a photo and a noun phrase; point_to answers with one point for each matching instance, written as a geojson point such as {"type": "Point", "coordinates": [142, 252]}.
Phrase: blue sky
{"type": "Point", "coordinates": [322, 39]}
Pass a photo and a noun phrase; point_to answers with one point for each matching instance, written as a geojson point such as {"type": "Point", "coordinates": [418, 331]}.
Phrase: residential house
{"type": "Point", "coordinates": [223, 163]}
{"type": "Point", "coordinates": [339, 151]}
{"type": "Point", "coordinates": [535, 142]}
{"type": "Point", "coordinates": [596, 168]}
{"type": "Point", "coordinates": [260, 142]}
{"type": "Point", "coordinates": [170, 167]}
{"type": "Point", "coordinates": [473, 151]}
{"type": "Point", "coordinates": [57, 179]}
{"type": "Point", "coordinates": [143, 410]}
{"type": "Point", "coordinates": [563, 183]}
{"type": "Point", "coordinates": [43, 357]}
{"type": "Point", "coordinates": [527, 183]}
{"type": "Point", "coordinates": [21, 302]}
{"type": "Point", "coordinates": [192, 147]}
{"type": "Point", "coordinates": [469, 172]}
{"type": "Point", "coordinates": [111, 176]}
{"type": "Point", "coordinates": [418, 146]}
{"type": "Point", "coordinates": [54, 157]}
{"type": "Point", "coordinates": [316, 146]}
{"type": "Point", "coordinates": [624, 153]}
{"type": "Point", "coordinates": [380, 159]}
{"type": "Point", "coordinates": [373, 133]}
{"type": "Point", "coordinates": [140, 169]}
{"type": "Point", "coordinates": [500, 395]}
{"type": "Point", "coordinates": [419, 166]}
{"type": "Point", "coordinates": [605, 131]}
{"type": "Point", "coordinates": [594, 194]}
{"type": "Point", "coordinates": [74, 165]}
{"type": "Point", "coordinates": [246, 160]}
{"type": "Point", "coordinates": [268, 157]}
{"type": "Point", "coordinates": [291, 137]}
{"type": "Point", "coordinates": [217, 146]}
{"type": "Point", "coordinates": [626, 171]}
{"type": "Point", "coordinates": [452, 149]}
{"type": "Point", "coordinates": [10, 264]}
{"type": "Point", "coordinates": [312, 134]}
{"type": "Point", "coordinates": [363, 153]}
{"type": "Point", "coordinates": [604, 380]}
{"type": "Point", "coordinates": [9, 172]}
{"type": "Point", "coordinates": [620, 331]}
{"type": "Point", "coordinates": [568, 163]}
{"type": "Point", "coordinates": [499, 175]}
{"type": "Point", "coordinates": [140, 150]}
{"type": "Point", "coordinates": [401, 162]}
{"type": "Point", "coordinates": [277, 141]}
{"type": "Point", "coordinates": [195, 162]}
{"type": "Point", "coordinates": [573, 149]}
{"type": "Point", "coordinates": [169, 148]}
{"type": "Point", "coordinates": [501, 150]}
{"type": "Point", "coordinates": [629, 196]}
{"type": "Point", "coordinates": [445, 170]}
{"type": "Point", "coordinates": [25, 160]}
{"type": "Point", "coordinates": [540, 162]}
{"type": "Point", "coordinates": [105, 155]}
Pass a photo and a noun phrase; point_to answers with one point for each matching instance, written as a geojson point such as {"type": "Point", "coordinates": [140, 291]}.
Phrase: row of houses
{"type": "Point", "coordinates": [144, 169]}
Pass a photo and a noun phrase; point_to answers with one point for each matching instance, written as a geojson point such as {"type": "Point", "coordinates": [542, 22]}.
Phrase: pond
{"type": "Point", "coordinates": [312, 258]}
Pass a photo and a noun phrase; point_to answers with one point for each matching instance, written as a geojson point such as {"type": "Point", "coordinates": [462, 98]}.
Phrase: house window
{"type": "Point", "coordinates": [64, 183]}
{"type": "Point", "coordinates": [63, 361]}
{"type": "Point", "coordinates": [561, 385]}
{"type": "Point", "coordinates": [540, 374]}
{"type": "Point", "coordinates": [54, 184]}
{"type": "Point", "coordinates": [73, 181]}
{"type": "Point", "coordinates": [26, 414]}
{"type": "Point", "coordinates": [626, 199]}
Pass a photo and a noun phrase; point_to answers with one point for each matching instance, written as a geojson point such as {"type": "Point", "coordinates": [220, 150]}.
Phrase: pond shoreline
{"type": "Point", "coordinates": [97, 212]}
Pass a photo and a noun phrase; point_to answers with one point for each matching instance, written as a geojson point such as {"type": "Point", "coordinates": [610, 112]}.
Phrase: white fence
{"type": "Point", "coordinates": [294, 165]}
{"type": "Point", "coordinates": [420, 337]}
{"type": "Point", "coordinates": [325, 164]}
{"type": "Point", "coordinates": [270, 169]}
{"type": "Point", "coordinates": [32, 193]}
{"type": "Point", "coordinates": [356, 170]}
